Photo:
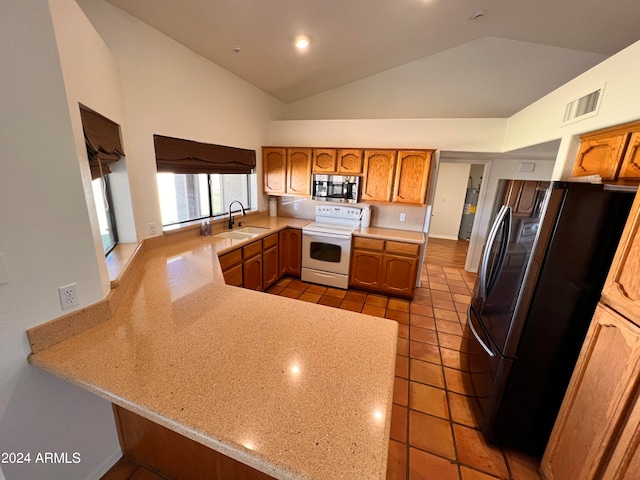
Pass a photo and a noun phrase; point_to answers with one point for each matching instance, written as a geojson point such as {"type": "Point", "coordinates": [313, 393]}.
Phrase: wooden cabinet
{"type": "Point", "coordinates": [522, 195]}
{"type": "Point", "coordinates": [597, 432]}
{"type": "Point", "coordinates": [324, 160]}
{"type": "Point", "coordinates": [252, 266]}
{"type": "Point", "coordinates": [231, 265]}
{"type": "Point", "coordinates": [399, 267]}
{"type": "Point", "coordinates": [384, 265]}
{"type": "Point", "coordinates": [286, 171]}
{"type": "Point", "coordinates": [298, 171]}
{"type": "Point", "coordinates": [630, 169]}
{"type": "Point", "coordinates": [379, 169]}
{"type": "Point", "coordinates": [270, 260]}
{"type": "Point", "coordinates": [337, 161]}
{"type": "Point", "coordinates": [613, 153]}
{"type": "Point", "coordinates": [412, 177]}
{"type": "Point", "coordinates": [350, 161]}
{"type": "Point", "coordinates": [274, 169]}
{"type": "Point", "coordinates": [400, 176]}
{"type": "Point", "coordinates": [290, 251]}
{"type": "Point", "coordinates": [602, 384]}
{"type": "Point", "coordinates": [622, 288]}
{"type": "Point", "coordinates": [172, 455]}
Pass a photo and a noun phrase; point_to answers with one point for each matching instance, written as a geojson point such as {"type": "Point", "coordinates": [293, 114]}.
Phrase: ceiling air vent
{"type": "Point", "coordinates": [583, 107]}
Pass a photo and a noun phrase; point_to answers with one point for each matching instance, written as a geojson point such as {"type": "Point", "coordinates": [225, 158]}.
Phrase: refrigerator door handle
{"type": "Point", "coordinates": [484, 264]}
{"type": "Point", "coordinates": [475, 334]}
{"type": "Point", "coordinates": [506, 237]}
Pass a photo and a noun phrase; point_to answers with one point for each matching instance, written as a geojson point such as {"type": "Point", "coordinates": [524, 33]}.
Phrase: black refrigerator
{"type": "Point", "coordinates": [538, 284]}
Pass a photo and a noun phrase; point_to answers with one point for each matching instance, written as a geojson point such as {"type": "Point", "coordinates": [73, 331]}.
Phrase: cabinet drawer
{"type": "Point", "coordinates": [403, 248]}
{"type": "Point", "coordinates": [252, 249]}
{"type": "Point", "coordinates": [230, 259]}
{"type": "Point", "coordinates": [368, 243]}
{"type": "Point", "coordinates": [270, 241]}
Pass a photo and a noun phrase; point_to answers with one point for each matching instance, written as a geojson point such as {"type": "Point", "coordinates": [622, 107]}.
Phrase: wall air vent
{"type": "Point", "coordinates": [583, 107]}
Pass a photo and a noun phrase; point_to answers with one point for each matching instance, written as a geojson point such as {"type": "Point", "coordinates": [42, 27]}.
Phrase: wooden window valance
{"type": "Point", "coordinates": [102, 138]}
{"type": "Point", "coordinates": [176, 155]}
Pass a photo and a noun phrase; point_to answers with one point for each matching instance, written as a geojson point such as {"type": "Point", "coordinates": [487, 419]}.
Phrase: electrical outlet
{"type": "Point", "coordinates": [403, 217]}
{"type": "Point", "coordinates": [295, 206]}
{"type": "Point", "coordinates": [152, 229]}
{"type": "Point", "coordinates": [68, 295]}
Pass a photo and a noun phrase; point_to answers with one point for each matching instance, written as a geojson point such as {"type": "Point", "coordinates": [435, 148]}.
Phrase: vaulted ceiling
{"type": "Point", "coordinates": [354, 39]}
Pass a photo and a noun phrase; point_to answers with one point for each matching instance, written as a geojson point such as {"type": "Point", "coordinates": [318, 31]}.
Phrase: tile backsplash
{"type": "Point", "coordinates": [382, 215]}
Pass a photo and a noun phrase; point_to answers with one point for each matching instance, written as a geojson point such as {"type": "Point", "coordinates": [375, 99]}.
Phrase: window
{"type": "Point", "coordinates": [106, 217]}
{"type": "Point", "coordinates": [187, 197]}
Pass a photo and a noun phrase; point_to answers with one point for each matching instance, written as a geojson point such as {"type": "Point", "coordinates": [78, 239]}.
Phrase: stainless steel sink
{"type": "Point", "coordinates": [243, 233]}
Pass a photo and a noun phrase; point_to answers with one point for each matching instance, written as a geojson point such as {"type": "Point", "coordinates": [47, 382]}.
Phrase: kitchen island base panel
{"type": "Point", "coordinates": [173, 455]}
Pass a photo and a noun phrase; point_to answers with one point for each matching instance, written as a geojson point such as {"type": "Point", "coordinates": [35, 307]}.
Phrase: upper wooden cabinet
{"type": "Point", "coordinates": [298, 171]}
{"type": "Point", "coordinates": [630, 169]}
{"type": "Point", "coordinates": [400, 176]}
{"type": "Point", "coordinates": [622, 287]}
{"type": "Point", "coordinates": [287, 171]}
{"type": "Point", "coordinates": [521, 195]}
{"type": "Point", "coordinates": [412, 177]}
{"type": "Point", "coordinates": [274, 168]}
{"type": "Point", "coordinates": [350, 161]}
{"type": "Point", "coordinates": [614, 154]}
{"type": "Point", "coordinates": [324, 160]}
{"type": "Point", "coordinates": [379, 169]}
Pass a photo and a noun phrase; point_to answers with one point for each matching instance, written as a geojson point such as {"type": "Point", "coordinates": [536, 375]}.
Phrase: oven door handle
{"type": "Point", "coordinates": [327, 235]}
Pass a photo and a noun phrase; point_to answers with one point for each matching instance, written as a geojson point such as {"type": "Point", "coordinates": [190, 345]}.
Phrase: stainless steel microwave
{"type": "Point", "coordinates": [336, 188]}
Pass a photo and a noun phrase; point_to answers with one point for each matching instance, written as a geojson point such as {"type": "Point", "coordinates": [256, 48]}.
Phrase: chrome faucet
{"type": "Point", "coordinates": [231, 216]}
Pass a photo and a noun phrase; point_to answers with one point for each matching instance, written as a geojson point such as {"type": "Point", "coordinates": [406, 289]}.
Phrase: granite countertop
{"type": "Point", "coordinates": [293, 389]}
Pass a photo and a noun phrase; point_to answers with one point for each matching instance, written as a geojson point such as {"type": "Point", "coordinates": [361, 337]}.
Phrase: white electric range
{"type": "Point", "coordinates": [326, 245]}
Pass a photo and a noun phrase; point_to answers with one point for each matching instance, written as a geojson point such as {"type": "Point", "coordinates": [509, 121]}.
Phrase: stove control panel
{"type": "Point", "coordinates": [338, 211]}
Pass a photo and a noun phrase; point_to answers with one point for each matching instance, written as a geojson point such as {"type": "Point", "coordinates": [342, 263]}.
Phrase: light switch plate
{"type": "Point", "coordinates": [4, 273]}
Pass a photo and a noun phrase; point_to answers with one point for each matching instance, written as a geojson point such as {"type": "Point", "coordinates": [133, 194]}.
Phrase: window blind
{"type": "Point", "coordinates": [176, 155]}
{"type": "Point", "coordinates": [102, 139]}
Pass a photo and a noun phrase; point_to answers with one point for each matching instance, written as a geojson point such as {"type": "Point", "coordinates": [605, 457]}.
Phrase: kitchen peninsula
{"type": "Point", "coordinates": [292, 389]}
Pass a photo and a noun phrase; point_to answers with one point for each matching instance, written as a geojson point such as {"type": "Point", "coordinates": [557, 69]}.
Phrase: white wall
{"type": "Point", "coordinates": [170, 90]}
{"type": "Point", "coordinates": [541, 121]}
{"type": "Point", "coordinates": [47, 241]}
{"type": "Point", "coordinates": [448, 200]}
{"type": "Point", "coordinates": [456, 134]}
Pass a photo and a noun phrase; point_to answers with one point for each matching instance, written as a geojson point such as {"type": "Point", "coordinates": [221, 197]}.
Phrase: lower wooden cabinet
{"type": "Point", "coordinates": [231, 264]}
{"type": "Point", "coordinates": [602, 392]}
{"type": "Point", "coordinates": [270, 260]}
{"type": "Point", "coordinates": [173, 455]}
{"type": "Point", "coordinates": [252, 266]}
{"type": "Point", "coordinates": [290, 252]}
{"type": "Point", "coordinates": [385, 266]}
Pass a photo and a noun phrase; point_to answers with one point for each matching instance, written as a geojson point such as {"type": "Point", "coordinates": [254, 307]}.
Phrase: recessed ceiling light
{"type": "Point", "coordinates": [302, 42]}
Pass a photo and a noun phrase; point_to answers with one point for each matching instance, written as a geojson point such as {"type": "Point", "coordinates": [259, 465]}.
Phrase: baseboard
{"type": "Point", "coordinates": [105, 466]}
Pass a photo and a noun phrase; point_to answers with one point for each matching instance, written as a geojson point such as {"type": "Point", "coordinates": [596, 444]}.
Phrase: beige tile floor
{"type": "Point", "coordinates": [433, 431]}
